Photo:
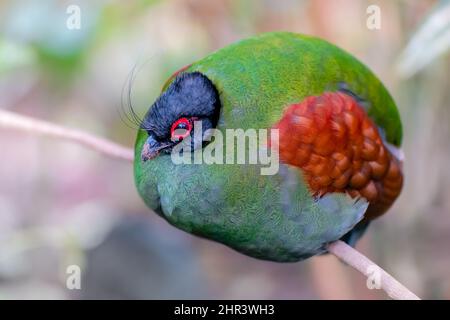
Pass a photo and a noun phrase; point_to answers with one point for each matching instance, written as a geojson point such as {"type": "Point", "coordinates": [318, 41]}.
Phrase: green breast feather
{"type": "Point", "coordinates": [268, 217]}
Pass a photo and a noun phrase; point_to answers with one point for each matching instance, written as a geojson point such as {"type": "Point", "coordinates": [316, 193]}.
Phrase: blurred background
{"type": "Point", "coordinates": [63, 205]}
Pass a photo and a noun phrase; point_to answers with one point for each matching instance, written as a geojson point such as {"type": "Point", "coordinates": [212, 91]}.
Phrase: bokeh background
{"type": "Point", "coordinates": [61, 204]}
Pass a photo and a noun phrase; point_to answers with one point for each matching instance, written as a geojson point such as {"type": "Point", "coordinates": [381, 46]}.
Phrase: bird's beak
{"type": "Point", "coordinates": [151, 148]}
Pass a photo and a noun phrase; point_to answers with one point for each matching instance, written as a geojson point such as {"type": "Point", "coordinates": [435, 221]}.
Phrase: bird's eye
{"type": "Point", "coordinates": [180, 129]}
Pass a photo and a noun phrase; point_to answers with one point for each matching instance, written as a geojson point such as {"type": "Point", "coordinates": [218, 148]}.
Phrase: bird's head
{"type": "Point", "coordinates": [191, 97]}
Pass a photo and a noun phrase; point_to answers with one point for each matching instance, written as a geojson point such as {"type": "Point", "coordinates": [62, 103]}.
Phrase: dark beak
{"type": "Point", "coordinates": [151, 148]}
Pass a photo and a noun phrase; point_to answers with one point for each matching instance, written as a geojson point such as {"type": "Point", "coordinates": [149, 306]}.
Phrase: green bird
{"type": "Point", "coordinates": [338, 139]}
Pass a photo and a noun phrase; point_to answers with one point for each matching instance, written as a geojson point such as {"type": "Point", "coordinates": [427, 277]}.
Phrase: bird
{"type": "Point", "coordinates": [339, 147]}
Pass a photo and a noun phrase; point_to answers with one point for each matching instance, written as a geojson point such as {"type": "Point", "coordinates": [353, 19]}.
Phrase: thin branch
{"type": "Point", "coordinates": [340, 249]}
{"type": "Point", "coordinates": [10, 120]}
{"type": "Point", "coordinates": [358, 261]}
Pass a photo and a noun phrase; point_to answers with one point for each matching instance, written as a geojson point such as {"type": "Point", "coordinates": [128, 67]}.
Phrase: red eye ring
{"type": "Point", "coordinates": [181, 124]}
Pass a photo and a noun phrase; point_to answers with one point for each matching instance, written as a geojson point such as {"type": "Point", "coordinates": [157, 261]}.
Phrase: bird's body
{"type": "Point", "coordinates": [336, 123]}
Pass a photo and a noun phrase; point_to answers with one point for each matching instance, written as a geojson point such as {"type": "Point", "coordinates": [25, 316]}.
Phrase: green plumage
{"type": "Point", "coordinates": [268, 217]}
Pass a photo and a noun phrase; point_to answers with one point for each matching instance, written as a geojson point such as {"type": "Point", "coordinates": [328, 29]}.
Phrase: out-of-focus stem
{"type": "Point", "coordinates": [358, 261]}
{"type": "Point", "coordinates": [10, 120]}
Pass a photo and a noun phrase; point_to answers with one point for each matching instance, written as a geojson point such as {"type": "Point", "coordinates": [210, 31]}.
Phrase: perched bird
{"type": "Point", "coordinates": [339, 137]}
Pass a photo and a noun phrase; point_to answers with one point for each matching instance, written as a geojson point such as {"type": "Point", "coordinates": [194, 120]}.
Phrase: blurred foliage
{"type": "Point", "coordinates": [429, 42]}
{"type": "Point", "coordinates": [14, 56]}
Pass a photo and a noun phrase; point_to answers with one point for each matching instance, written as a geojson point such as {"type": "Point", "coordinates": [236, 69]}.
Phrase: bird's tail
{"type": "Point", "coordinates": [356, 233]}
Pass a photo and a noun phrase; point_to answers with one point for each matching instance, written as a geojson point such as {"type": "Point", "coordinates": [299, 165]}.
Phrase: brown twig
{"type": "Point", "coordinates": [10, 120]}
{"type": "Point", "coordinates": [340, 249]}
{"type": "Point", "coordinates": [358, 261]}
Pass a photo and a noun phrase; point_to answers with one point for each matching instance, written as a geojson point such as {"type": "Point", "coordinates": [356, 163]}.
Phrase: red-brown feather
{"type": "Point", "coordinates": [339, 149]}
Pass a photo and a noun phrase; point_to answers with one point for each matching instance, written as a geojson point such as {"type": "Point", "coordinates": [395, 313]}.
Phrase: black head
{"type": "Point", "coordinates": [191, 97]}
